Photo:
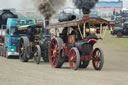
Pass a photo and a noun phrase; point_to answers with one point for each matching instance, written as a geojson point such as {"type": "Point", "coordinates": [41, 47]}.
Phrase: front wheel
{"type": "Point", "coordinates": [37, 54]}
{"type": "Point", "coordinates": [55, 57]}
{"type": "Point", "coordinates": [74, 58]}
{"type": "Point", "coordinates": [98, 59]}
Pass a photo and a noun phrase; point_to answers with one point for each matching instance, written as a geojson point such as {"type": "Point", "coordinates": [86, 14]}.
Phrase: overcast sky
{"type": "Point", "coordinates": [27, 4]}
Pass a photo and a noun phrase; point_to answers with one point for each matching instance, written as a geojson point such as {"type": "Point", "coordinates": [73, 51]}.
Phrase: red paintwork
{"type": "Point", "coordinates": [72, 58]}
{"type": "Point", "coordinates": [67, 47]}
{"type": "Point", "coordinates": [71, 39]}
{"type": "Point", "coordinates": [17, 50]}
{"type": "Point", "coordinates": [53, 53]}
{"type": "Point", "coordinates": [97, 60]}
{"type": "Point", "coordinates": [112, 24]}
{"type": "Point", "coordinates": [92, 40]}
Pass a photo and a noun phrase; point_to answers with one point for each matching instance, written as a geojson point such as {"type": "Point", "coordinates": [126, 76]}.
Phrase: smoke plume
{"type": "Point", "coordinates": [85, 5]}
{"type": "Point", "coordinates": [49, 7]}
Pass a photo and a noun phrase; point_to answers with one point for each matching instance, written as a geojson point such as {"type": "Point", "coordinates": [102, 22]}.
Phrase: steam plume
{"type": "Point", "coordinates": [49, 7]}
{"type": "Point", "coordinates": [85, 5]}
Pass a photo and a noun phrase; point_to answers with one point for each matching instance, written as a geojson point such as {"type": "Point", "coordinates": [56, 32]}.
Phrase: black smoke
{"type": "Point", "coordinates": [49, 7]}
{"type": "Point", "coordinates": [85, 5]}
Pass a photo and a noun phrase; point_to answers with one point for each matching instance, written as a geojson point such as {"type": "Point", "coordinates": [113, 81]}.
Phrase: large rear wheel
{"type": "Point", "coordinates": [74, 58]}
{"type": "Point", "coordinates": [37, 54]}
{"type": "Point", "coordinates": [98, 59]}
{"type": "Point", "coordinates": [55, 57]}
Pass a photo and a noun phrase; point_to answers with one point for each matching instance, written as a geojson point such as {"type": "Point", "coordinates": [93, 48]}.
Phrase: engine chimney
{"type": "Point", "coordinates": [46, 23]}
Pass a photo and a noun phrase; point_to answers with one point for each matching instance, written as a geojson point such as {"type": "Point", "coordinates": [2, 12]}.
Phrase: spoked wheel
{"type": "Point", "coordinates": [23, 50]}
{"type": "Point", "coordinates": [55, 57]}
{"type": "Point", "coordinates": [84, 64]}
{"type": "Point", "coordinates": [74, 58]}
{"type": "Point", "coordinates": [98, 59]}
{"type": "Point", "coordinates": [37, 54]}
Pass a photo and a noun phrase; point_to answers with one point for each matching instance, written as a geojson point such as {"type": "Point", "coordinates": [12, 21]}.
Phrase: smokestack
{"type": "Point", "coordinates": [45, 24]}
{"type": "Point", "coordinates": [46, 21]}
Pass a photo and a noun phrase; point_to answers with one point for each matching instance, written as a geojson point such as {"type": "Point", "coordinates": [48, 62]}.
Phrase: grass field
{"type": "Point", "coordinates": [119, 43]}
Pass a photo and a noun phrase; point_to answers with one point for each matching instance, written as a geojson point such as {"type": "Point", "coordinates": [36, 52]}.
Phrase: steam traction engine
{"type": "Point", "coordinates": [76, 43]}
{"type": "Point", "coordinates": [34, 44]}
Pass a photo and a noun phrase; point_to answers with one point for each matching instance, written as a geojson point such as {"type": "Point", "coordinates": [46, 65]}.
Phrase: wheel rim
{"type": "Point", "coordinates": [74, 59]}
{"type": "Point", "coordinates": [97, 59]}
{"type": "Point", "coordinates": [54, 52]}
{"type": "Point", "coordinates": [22, 50]}
{"type": "Point", "coordinates": [36, 54]}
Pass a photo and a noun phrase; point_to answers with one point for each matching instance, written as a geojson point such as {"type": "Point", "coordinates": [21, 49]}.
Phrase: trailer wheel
{"type": "Point", "coordinates": [98, 59]}
{"type": "Point", "coordinates": [37, 54]}
{"type": "Point", "coordinates": [74, 58]}
{"type": "Point", "coordinates": [55, 57]}
{"type": "Point", "coordinates": [23, 45]}
{"type": "Point", "coordinates": [84, 64]}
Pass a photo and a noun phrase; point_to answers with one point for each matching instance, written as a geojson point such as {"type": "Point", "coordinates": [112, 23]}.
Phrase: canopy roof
{"type": "Point", "coordinates": [92, 21]}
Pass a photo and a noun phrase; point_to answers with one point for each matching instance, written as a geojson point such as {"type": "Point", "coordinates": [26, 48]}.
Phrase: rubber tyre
{"type": "Point", "coordinates": [99, 59]}
{"type": "Point", "coordinates": [37, 54]}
